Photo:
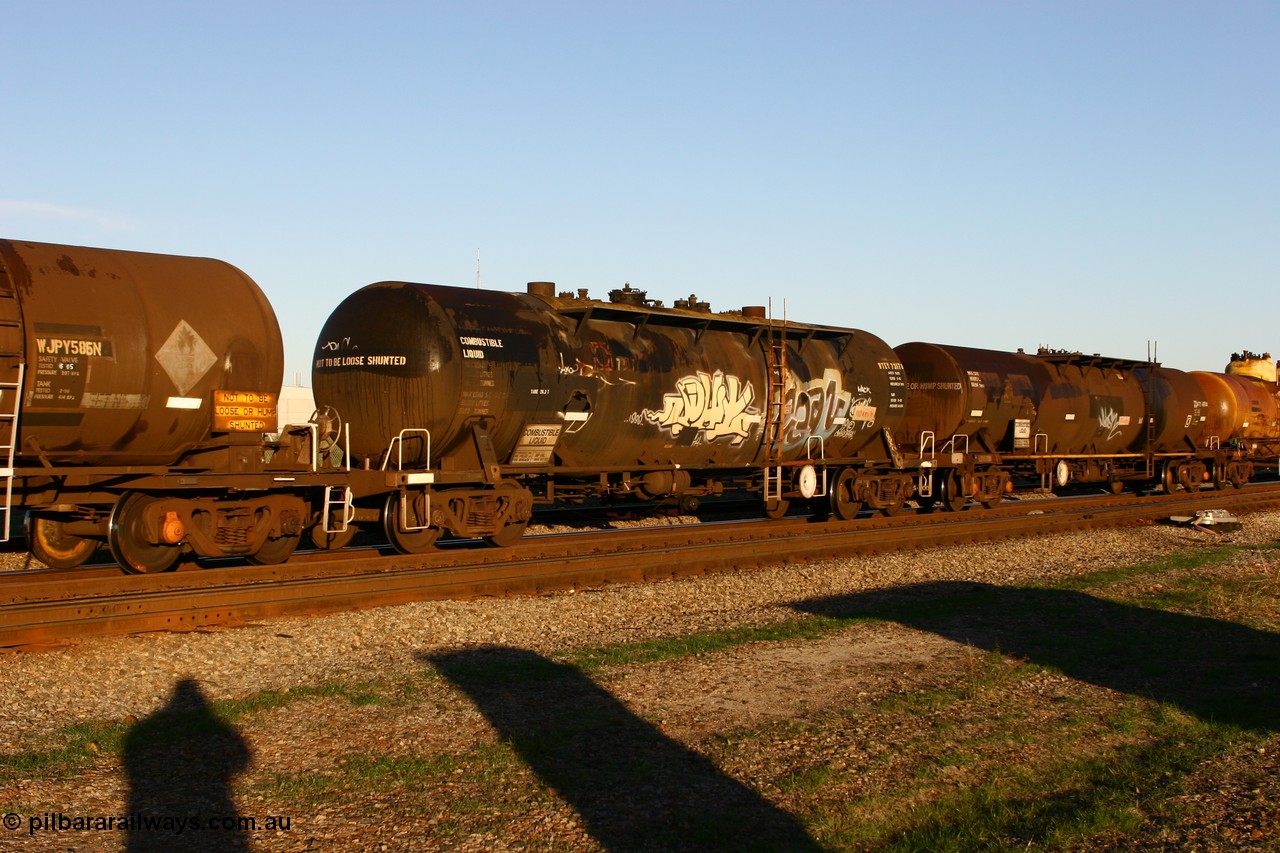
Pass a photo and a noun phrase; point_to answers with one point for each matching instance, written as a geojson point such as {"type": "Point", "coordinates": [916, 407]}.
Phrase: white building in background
{"type": "Point", "coordinates": [296, 403]}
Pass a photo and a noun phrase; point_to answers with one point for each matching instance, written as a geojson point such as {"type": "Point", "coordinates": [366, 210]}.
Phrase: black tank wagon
{"type": "Point", "coordinates": [466, 407]}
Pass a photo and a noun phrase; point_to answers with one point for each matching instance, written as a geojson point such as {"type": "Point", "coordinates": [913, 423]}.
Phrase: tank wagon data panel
{"type": "Point", "coordinates": [63, 354]}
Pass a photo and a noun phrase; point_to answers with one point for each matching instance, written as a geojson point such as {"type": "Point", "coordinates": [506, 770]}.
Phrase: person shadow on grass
{"type": "Point", "coordinates": [180, 762]}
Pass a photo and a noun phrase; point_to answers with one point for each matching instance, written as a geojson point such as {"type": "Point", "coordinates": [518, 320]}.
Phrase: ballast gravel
{"type": "Point", "coordinates": [119, 678]}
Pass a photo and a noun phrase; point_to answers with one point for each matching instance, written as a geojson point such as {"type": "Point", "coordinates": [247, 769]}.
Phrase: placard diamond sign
{"type": "Point", "coordinates": [185, 357]}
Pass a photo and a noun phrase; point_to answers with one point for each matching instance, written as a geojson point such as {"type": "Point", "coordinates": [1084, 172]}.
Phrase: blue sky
{"type": "Point", "coordinates": [1082, 175]}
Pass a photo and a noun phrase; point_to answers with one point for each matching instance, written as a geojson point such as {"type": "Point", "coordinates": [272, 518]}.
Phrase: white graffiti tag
{"type": "Point", "coordinates": [714, 404]}
{"type": "Point", "coordinates": [818, 407]}
{"type": "Point", "coordinates": [1109, 422]}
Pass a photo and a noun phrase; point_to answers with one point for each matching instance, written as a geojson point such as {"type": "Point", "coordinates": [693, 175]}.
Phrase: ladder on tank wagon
{"type": "Point", "coordinates": [775, 403]}
{"type": "Point", "coordinates": [12, 371]}
{"type": "Point", "coordinates": [9, 391]}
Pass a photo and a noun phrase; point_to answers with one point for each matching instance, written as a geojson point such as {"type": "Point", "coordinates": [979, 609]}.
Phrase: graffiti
{"type": "Point", "coordinates": [714, 404]}
{"type": "Point", "coordinates": [1109, 422]}
{"type": "Point", "coordinates": [602, 370]}
{"type": "Point", "coordinates": [1110, 417]}
{"type": "Point", "coordinates": [819, 407]}
{"type": "Point", "coordinates": [717, 405]}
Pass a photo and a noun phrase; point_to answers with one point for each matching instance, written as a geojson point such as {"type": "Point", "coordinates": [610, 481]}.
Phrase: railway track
{"type": "Point", "coordinates": [50, 608]}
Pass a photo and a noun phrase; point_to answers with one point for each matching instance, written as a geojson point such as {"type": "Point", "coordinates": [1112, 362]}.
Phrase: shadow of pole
{"type": "Point", "coordinates": [634, 788]}
{"type": "Point", "coordinates": [180, 762]}
{"type": "Point", "coordinates": [1215, 670]}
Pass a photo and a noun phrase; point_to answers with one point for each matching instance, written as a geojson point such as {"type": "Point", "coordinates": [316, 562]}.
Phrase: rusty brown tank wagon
{"type": "Point", "coordinates": [137, 389]}
{"type": "Point", "coordinates": [466, 407]}
{"type": "Point", "coordinates": [1070, 417]}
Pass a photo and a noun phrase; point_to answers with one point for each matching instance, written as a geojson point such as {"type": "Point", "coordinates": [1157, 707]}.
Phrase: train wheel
{"type": "Point", "coordinates": [516, 504]}
{"type": "Point", "coordinates": [274, 551]}
{"type": "Point", "coordinates": [408, 541]}
{"type": "Point", "coordinates": [1216, 476]}
{"type": "Point", "coordinates": [777, 507]}
{"type": "Point", "coordinates": [894, 507]}
{"type": "Point", "coordinates": [843, 502]}
{"type": "Point", "coordinates": [508, 535]}
{"type": "Point", "coordinates": [1115, 486]}
{"type": "Point", "coordinates": [332, 541]}
{"type": "Point", "coordinates": [52, 545]}
{"type": "Point", "coordinates": [130, 542]}
{"type": "Point", "coordinates": [993, 487]}
{"type": "Point", "coordinates": [1238, 478]}
{"type": "Point", "coordinates": [952, 494]}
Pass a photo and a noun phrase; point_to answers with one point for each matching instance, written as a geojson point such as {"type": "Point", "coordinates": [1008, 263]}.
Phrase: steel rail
{"type": "Point", "coordinates": [48, 611]}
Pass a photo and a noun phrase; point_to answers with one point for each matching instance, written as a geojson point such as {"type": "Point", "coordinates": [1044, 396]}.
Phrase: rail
{"type": "Point", "coordinates": [51, 610]}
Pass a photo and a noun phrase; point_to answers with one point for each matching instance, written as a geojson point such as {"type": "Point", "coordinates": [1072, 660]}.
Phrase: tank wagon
{"type": "Point", "coordinates": [135, 391]}
{"type": "Point", "coordinates": [467, 407]}
{"type": "Point", "coordinates": [1070, 417]}
{"type": "Point", "coordinates": [1243, 412]}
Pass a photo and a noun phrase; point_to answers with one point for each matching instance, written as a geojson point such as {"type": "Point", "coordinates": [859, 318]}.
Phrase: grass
{"type": "Point", "coordinates": [708, 642]}
{"type": "Point", "coordinates": [1178, 562]}
{"type": "Point", "coordinates": [1057, 804]}
{"type": "Point", "coordinates": [1068, 787]}
{"type": "Point", "coordinates": [75, 746]}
